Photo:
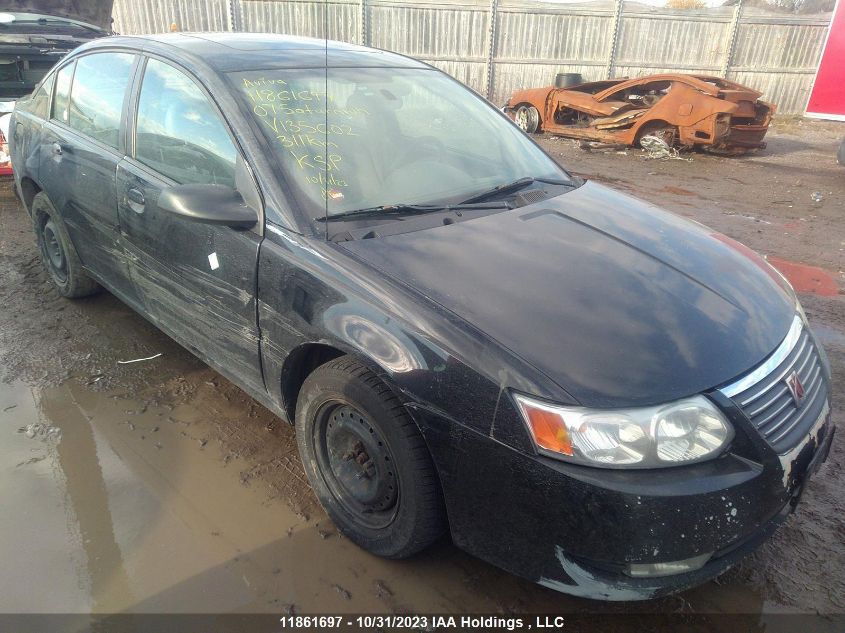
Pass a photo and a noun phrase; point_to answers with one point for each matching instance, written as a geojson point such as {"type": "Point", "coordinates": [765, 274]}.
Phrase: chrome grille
{"type": "Point", "coordinates": [765, 398]}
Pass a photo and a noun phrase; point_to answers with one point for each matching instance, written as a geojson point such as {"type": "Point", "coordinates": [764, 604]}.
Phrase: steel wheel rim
{"type": "Point", "coordinates": [356, 465]}
{"type": "Point", "coordinates": [54, 254]}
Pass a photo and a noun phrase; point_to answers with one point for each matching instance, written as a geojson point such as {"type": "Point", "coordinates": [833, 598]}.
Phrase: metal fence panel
{"type": "Point", "coordinates": [336, 20]}
{"type": "Point", "coordinates": [531, 40]}
{"type": "Point", "coordinates": [456, 32]}
{"type": "Point", "coordinates": [671, 39]}
{"type": "Point", "coordinates": [133, 17]}
{"type": "Point", "coordinates": [779, 47]}
{"type": "Point", "coordinates": [550, 37]}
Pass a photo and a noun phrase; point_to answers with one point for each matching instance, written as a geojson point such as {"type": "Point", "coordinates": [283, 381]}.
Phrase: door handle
{"type": "Point", "coordinates": [136, 196]}
{"type": "Point", "coordinates": [57, 149]}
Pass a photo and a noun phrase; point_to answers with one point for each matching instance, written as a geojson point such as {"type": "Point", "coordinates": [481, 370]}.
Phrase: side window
{"type": "Point", "coordinates": [96, 100]}
{"type": "Point", "coordinates": [178, 131]}
{"type": "Point", "coordinates": [62, 97]}
{"type": "Point", "coordinates": [643, 95]}
{"type": "Point", "coordinates": [41, 99]}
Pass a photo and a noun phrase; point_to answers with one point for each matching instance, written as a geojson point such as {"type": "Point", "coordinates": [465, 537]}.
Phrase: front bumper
{"type": "Point", "coordinates": [576, 529]}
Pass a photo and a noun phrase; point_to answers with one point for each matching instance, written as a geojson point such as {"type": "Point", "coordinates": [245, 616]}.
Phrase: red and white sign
{"type": "Point", "coordinates": [827, 99]}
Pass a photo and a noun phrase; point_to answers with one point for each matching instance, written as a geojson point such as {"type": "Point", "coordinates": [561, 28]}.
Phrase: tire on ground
{"type": "Point", "coordinates": [57, 251]}
{"type": "Point", "coordinates": [527, 118]}
{"type": "Point", "coordinates": [417, 516]}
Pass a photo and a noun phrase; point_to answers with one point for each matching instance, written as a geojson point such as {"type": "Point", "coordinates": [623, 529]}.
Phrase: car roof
{"type": "Point", "coordinates": [231, 52]}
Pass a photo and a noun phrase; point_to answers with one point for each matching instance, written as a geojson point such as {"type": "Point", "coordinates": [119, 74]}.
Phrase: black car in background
{"type": "Point", "coordinates": [34, 35]}
{"type": "Point", "coordinates": [579, 387]}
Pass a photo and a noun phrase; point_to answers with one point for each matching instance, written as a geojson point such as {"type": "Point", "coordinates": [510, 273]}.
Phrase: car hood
{"type": "Point", "coordinates": [618, 302]}
{"type": "Point", "coordinates": [96, 12]}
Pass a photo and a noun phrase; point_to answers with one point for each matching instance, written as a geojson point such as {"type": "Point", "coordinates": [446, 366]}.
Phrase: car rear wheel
{"type": "Point", "coordinates": [527, 118]}
{"type": "Point", "coordinates": [57, 252]}
{"type": "Point", "coordinates": [367, 462]}
{"type": "Point", "coordinates": [665, 132]}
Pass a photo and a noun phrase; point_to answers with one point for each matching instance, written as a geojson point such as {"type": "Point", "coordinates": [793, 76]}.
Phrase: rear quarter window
{"type": "Point", "coordinates": [61, 99]}
{"type": "Point", "coordinates": [39, 103]}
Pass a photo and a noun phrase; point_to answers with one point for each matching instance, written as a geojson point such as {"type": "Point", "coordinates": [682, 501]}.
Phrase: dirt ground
{"type": "Point", "coordinates": [159, 486]}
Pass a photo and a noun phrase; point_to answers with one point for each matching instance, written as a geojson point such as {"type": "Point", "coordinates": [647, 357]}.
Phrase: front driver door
{"type": "Point", "coordinates": [197, 281]}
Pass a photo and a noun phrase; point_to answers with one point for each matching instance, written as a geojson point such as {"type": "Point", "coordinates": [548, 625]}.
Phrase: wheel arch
{"type": "Point", "coordinates": [29, 189]}
{"type": "Point", "coordinates": [650, 123]}
{"type": "Point", "coordinates": [298, 365]}
{"type": "Point", "coordinates": [307, 357]}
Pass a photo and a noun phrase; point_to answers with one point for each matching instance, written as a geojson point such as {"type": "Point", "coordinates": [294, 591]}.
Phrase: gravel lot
{"type": "Point", "coordinates": [160, 486]}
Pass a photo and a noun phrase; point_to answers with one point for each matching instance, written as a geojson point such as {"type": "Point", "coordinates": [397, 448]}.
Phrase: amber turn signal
{"type": "Point", "coordinates": [548, 429]}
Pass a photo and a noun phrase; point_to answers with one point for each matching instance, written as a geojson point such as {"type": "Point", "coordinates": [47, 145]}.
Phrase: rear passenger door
{"type": "Point", "coordinates": [80, 149]}
{"type": "Point", "coordinates": [197, 280]}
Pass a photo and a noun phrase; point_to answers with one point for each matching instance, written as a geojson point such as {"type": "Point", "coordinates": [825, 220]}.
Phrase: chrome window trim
{"type": "Point", "coordinates": [764, 370]}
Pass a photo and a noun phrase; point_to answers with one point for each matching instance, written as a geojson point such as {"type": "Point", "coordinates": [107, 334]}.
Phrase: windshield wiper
{"type": "Point", "coordinates": [514, 186]}
{"type": "Point", "coordinates": [410, 209]}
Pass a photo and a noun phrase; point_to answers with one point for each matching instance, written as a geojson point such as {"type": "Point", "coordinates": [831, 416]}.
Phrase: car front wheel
{"type": "Point", "coordinates": [366, 460]}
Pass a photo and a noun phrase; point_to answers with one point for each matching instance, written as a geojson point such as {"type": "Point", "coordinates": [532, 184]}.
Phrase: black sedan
{"type": "Point", "coordinates": [577, 386]}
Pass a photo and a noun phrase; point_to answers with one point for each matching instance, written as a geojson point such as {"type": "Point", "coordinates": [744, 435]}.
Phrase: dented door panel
{"type": "Point", "coordinates": [197, 281]}
{"type": "Point", "coordinates": [79, 177]}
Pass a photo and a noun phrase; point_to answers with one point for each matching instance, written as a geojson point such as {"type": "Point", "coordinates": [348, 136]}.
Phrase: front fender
{"type": "Point", "coordinates": [312, 293]}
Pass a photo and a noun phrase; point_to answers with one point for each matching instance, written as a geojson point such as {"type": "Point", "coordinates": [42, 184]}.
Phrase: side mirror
{"type": "Point", "coordinates": [210, 204]}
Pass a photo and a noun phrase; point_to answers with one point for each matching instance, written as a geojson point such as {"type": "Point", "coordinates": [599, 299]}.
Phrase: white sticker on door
{"type": "Point", "coordinates": [212, 261]}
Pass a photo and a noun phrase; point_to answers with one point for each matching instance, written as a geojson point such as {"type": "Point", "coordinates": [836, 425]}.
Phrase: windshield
{"type": "Point", "coordinates": [368, 137]}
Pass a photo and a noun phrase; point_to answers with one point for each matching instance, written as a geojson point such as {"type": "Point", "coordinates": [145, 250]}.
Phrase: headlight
{"type": "Point", "coordinates": [683, 432]}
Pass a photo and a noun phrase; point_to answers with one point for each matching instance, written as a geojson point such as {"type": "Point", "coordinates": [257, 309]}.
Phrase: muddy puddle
{"type": "Point", "coordinates": [118, 508]}
{"type": "Point", "coordinates": [123, 506]}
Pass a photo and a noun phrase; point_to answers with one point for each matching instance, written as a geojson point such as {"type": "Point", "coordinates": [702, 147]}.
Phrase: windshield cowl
{"type": "Point", "coordinates": [376, 223]}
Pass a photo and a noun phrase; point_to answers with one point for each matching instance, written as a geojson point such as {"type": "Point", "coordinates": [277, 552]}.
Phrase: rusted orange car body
{"type": "Point", "coordinates": [683, 110]}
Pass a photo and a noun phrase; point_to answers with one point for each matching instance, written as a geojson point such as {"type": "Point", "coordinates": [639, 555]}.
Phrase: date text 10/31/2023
{"type": "Point", "coordinates": [299, 119]}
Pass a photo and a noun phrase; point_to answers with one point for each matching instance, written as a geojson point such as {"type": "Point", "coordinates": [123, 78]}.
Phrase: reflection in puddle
{"type": "Point", "coordinates": [40, 545]}
{"type": "Point", "coordinates": [117, 507]}
{"type": "Point", "coordinates": [98, 526]}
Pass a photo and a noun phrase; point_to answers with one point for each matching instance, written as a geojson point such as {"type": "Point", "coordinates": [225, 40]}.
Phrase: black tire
{"type": "Point", "coordinates": [367, 462]}
{"type": "Point", "coordinates": [57, 251]}
{"type": "Point", "coordinates": [527, 118]}
{"type": "Point", "coordinates": [565, 80]}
